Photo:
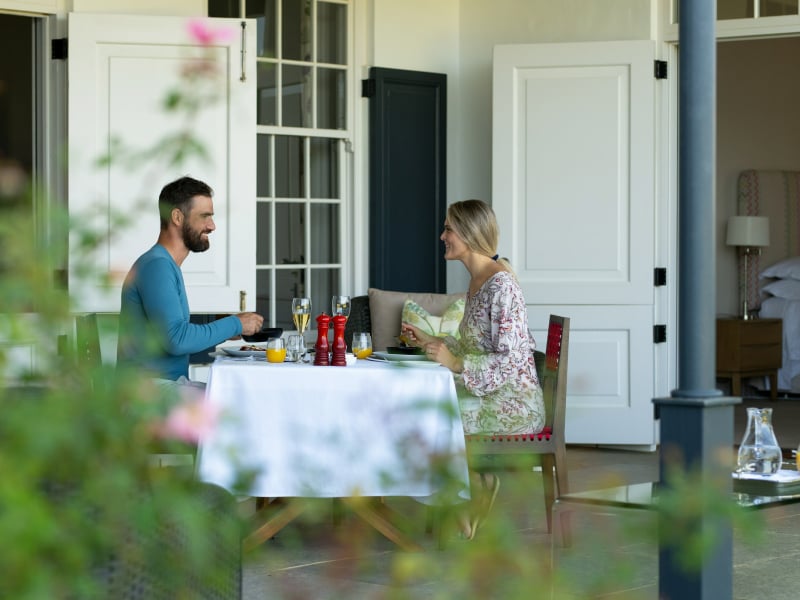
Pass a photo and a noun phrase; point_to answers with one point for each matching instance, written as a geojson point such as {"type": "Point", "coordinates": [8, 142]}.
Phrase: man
{"type": "Point", "coordinates": [155, 332]}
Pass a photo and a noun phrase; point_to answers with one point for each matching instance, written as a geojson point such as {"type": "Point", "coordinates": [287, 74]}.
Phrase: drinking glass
{"type": "Point", "coordinates": [295, 347]}
{"type": "Point", "coordinates": [340, 305]}
{"type": "Point", "coordinates": [362, 344]}
{"type": "Point", "coordinates": [301, 313]}
{"type": "Point", "coordinates": [276, 350]}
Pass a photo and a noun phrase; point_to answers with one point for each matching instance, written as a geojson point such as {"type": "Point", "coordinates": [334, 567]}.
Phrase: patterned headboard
{"type": "Point", "coordinates": [773, 194]}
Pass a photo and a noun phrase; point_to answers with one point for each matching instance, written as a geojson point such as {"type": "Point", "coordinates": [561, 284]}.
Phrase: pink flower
{"type": "Point", "coordinates": [201, 31]}
{"type": "Point", "coordinates": [190, 421]}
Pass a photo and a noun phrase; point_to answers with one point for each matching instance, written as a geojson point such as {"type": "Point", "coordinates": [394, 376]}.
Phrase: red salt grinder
{"type": "Point", "coordinates": [339, 347]}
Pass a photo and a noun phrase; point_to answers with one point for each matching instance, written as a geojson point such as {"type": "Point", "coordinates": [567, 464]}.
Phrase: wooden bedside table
{"type": "Point", "coordinates": [748, 349]}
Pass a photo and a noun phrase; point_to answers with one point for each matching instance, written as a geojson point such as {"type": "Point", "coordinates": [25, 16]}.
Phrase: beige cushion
{"type": "Point", "coordinates": [386, 308]}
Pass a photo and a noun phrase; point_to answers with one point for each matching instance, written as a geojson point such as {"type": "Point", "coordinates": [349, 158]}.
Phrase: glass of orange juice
{"type": "Point", "coordinates": [362, 344]}
{"type": "Point", "coordinates": [276, 350]}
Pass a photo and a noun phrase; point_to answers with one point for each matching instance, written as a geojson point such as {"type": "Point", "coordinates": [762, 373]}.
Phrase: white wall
{"type": "Point", "coordinates": [485, 24]}
{"type": "Point", "coordinates": [758, 127]}
{"type": "Point", "coordinates": [178, 8]}
{"type": "Point", "coordinates": [423, 35]}
{"type": "Point", "coordinates": [457, 37]}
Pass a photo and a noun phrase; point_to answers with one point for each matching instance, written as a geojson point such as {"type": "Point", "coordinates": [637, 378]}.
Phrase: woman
{"type": "Point", "coordinates": [496, 379]}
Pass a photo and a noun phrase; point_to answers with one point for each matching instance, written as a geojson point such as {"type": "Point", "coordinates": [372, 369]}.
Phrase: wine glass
{"type": "Point", "coordinates": [301, 313]}
{"type": "Point", "coordinates": [340, 305]}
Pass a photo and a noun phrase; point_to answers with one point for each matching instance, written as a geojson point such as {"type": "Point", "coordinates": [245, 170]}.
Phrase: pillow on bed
{"type": "Point", "coordinates": [783, 288]}
{"type": "Point", "coordinates": [789, 268]}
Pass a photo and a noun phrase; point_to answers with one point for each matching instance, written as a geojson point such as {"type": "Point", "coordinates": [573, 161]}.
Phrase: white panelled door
{"type": "Point", "coordinates": [121, 70]}
{"type": "Point", "coordinates": [574, 191]}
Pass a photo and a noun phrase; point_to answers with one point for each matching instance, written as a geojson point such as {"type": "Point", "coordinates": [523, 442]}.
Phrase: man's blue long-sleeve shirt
{"type": "Point", "coordinates": [155, 332]}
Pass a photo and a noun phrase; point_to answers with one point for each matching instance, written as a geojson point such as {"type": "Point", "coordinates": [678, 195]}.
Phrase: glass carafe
{"type": "Point", "coordinates": [759, 452]}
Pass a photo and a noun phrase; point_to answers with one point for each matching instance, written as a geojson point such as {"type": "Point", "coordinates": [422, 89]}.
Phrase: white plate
{"type": "Point", "coordinates": [234, 351]}
{"type": "Point", "coordinates": [401, 357]}
{"type": "Point", "coordinates": [416, 363]}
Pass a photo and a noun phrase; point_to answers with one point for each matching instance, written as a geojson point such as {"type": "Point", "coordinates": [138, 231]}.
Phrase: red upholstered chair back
{"type": "Point", "coordinates": [553, 377]}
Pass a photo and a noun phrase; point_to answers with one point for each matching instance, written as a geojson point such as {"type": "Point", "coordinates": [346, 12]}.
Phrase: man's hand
{"type": "Point", "coordinates": [251, 322]}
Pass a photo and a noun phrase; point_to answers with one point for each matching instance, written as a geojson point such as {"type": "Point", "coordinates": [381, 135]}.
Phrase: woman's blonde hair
{"type": "Point", "coordinates": [474, 221]}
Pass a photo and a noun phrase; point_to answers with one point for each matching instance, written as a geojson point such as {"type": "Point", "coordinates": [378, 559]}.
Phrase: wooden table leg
{"type": "Point", "coordinates": [382, 518]}
{"type": "Point", "coordinates": [274, 523]}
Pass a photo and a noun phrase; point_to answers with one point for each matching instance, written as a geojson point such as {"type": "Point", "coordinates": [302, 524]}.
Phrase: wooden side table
{"type": "Point", "coordinates": [749, 349]}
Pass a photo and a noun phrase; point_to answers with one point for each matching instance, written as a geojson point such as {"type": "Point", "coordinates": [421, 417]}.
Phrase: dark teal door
{"type": "Point", "coordinates": [407, 121]}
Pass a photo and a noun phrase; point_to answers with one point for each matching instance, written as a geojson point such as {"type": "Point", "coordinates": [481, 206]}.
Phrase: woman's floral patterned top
{"type": "Point", "coordinates": [499, 389]}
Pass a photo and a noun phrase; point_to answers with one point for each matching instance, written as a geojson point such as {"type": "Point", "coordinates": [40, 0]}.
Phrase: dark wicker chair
{"type": "Point", "coordinates": [359, 319]}
{"type": "Point", "coordinates": [133, 575]}
{"type": "Point", "coordinates": [130, 574]}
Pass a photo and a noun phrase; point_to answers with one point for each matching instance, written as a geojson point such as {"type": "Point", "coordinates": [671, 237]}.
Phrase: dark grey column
{"type": "Point", "coordinates": [696, 421]}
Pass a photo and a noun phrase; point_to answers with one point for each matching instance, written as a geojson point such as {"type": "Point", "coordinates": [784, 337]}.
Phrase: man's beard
{"type": "Point", "coordinates": [194, 240]}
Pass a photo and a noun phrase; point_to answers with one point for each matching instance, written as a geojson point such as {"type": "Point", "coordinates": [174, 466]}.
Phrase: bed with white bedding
{"type": "Point", "coordinates": [775, 274]}
{"type": "Point", "coordinates": [788, 310]}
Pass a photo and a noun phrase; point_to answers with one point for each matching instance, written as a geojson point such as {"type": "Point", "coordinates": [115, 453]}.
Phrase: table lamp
{"type": "Point", "coordinates": [749, 234]}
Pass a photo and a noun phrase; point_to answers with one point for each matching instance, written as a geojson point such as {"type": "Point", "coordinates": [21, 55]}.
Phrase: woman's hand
{"type": "Point", "coordinates": [414, 337]}
{"type": "Point", "coordinates": [436, 349]}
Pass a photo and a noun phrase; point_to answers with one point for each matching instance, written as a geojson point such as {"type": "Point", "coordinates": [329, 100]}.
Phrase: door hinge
{"type": "Point", "coordinates": [660, 69]}
{"type": "Point", "coordinates": [659, 276]}
{"type": "Point", "coordinates": [367, 88]}
{"type": "Point", "coordinates": [58, 49]}
{"type": "Point", "coordinates": [659, 334]}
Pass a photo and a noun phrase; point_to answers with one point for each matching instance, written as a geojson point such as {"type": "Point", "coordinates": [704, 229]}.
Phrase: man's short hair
{"type": "Point", "coordinates": [179, 194]}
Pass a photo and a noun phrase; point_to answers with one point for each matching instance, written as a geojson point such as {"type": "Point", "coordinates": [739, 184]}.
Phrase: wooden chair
{"type": "Point", "coordinates": [87, 340]}
{"type": "Point", "coordinates": [501, 452]}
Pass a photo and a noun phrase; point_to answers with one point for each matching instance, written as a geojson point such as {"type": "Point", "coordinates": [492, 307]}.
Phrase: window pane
{"type": "Point", "coordinates": [324, 284]}
{"type": "Point", "coordinates": [289, 167]}
{"type": "Point", "coordinates": [263, 162]}
{"type": "Point", "coordinates": [263, 12]}
{"type": "Point", "coordinates": [776, 8]}
{"type": "Point", "coordinates": [223, 8]}
{"type": "Point", "coordinates": [289, 233]}
{"type": "Point", "coordinates": [734, 9]}
{"type": "Point", "coordinates": [263, 236]}
{"type": "Point", "coordinates": [263, 294]}
{"type": "Point", "coordinates": [324, 233]}
{"type": "Point", "coordinates": [331, 33]}
{"type": "Point", "coordinates": [296, 30]}
{"type": "Point", "coordinates": [289, 283]}
{"type": "Point", "coordinates": [267, 107]}
{"type": "Point", "coordinates": [296, 96]}
{"type": "Point", "coordinates": [331, 98]}
{"type": "Point", "coordinates": [324, 168]}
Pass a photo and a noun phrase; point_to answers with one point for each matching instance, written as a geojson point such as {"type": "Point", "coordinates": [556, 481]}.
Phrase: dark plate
{"type": "Point", "coordinates": [404, 350]}
{"type": "Point", "coordinates": [264, 334]}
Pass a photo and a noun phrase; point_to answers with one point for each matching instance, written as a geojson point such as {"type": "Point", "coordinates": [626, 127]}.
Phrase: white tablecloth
{"type": "Point", "coordinates": [310, 431]}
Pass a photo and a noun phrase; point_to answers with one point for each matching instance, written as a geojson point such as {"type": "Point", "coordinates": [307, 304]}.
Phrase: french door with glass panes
{"type": "Point", "coordinates": [303, 51]}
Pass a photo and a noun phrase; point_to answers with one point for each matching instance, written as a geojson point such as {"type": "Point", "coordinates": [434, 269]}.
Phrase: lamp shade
{"type": "Point", "coordinates": [748, 231]}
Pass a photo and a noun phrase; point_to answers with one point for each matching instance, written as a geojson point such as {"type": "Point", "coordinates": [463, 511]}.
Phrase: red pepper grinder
{"type": "Point", "coordinates": [321, 347]}
{"type": "Point", "coordinates": [339, 347]}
